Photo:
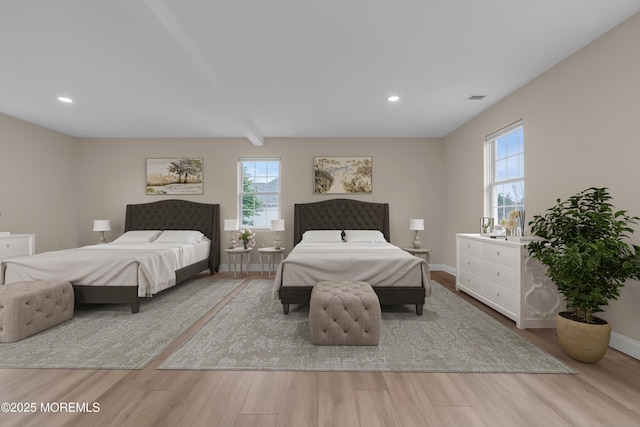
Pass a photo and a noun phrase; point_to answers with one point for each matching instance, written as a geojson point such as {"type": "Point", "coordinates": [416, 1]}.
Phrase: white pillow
{"type": "Point", "coordinates": [138, 236]}
{"type": "Point", "coordinates": [322, 236]}
{"type": "Point", "coordinates": [375, 236]}
{"type": "Point", "coordinates": [180, 236]}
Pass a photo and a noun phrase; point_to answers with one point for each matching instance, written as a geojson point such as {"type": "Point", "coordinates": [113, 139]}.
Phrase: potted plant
{"type": "Point", "coordinates": [582, 242]}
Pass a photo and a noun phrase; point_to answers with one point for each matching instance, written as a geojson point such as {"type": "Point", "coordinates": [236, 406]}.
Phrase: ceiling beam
{"type": "Point", "coordinates": [169, 22]}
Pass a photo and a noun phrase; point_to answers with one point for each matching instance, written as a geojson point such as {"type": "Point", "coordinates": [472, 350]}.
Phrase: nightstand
{"type": "Point", "coordinates": [271, 254]}
{"type": "Point", "coordinates": [420, 253]}
{"type": "Point", "coordinates": [233, 253]}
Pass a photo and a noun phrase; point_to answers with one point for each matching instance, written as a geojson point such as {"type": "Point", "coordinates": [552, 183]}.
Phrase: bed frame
{"type": "Point", "coordinates": [347, 214]}
{"type": "Point", "coordinates": [161, 215]}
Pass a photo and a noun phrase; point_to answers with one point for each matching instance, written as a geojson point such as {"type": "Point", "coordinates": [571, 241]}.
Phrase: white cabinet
{"type": "Point", "coordinates": [501, 274]}
{"type": "Point", "coordinates": [15, 245]}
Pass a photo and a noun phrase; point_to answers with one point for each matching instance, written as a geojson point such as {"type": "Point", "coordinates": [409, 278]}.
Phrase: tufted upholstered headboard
{"type": "Point", "coordinates": [178, 215]}
{"type": "Point", "coordinates": [340, 214]}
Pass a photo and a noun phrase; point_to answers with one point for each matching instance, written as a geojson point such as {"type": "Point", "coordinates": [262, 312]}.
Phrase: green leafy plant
{"type": "Point", "coordinates": [582, 244]}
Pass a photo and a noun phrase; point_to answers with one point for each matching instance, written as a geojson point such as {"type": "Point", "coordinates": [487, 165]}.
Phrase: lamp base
{"type": "Point", "coordinates": [277, 244]}
{"type": "Point", "coordinates": [416, 244]}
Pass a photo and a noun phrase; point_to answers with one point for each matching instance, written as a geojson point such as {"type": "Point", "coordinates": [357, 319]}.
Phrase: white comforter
{"type": "Point", "coordinates": [151, 267]}
{"type": "Point", "coordinates": [379, 264]}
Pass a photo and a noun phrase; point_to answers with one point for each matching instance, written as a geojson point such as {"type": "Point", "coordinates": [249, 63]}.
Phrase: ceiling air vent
{"type": "Point", "coordinates": [475, 98]}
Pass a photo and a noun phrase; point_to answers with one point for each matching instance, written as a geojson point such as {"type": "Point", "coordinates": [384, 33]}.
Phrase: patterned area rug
{"type": "Point", "coordinates": [110, 337]}
{"type": "Point", "coordinates": [252, 333]}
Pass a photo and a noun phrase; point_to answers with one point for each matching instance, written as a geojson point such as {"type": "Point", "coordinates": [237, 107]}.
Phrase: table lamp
{"type": "Point", "coordinates": [101, 225]}
{"type": "Point", "coordinates": [416, 225]}
{"type": "Point", "coordinates": [231, 225]}
{"type": "Point", "coordinates": [277, 225]}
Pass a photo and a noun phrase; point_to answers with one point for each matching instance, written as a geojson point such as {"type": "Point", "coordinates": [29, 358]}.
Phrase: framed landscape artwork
{"type": "Point", "coordinates": [341, 175]}
{"type": "Point", "coordinates": [175, 176]}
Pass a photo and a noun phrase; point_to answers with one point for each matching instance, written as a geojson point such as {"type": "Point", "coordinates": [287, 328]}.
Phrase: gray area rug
{"type": "Point", "coordinates": [252, 333]}
{"type": "Point", "coordinates": [110, 337]}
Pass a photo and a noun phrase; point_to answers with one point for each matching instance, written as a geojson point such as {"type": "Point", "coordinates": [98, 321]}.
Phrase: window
{"type": "Point", "coordinates": [259, 192]}
{"type": "Point", "coordinates": [505, 171]}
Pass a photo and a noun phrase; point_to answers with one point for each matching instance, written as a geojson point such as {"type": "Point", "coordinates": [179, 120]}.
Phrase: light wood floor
{"type": "Point", "coordinates": [602, 394]}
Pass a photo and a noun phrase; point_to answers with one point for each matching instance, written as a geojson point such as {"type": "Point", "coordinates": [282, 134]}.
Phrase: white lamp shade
{"type": "Point", "coordinates": [101, 225]}
{"type": "Point", "coordinates": [416, 224]}
{"type": "Point", "coordinates": [230, 224]}
{"type": "Point", "coordinates": [277, 225]}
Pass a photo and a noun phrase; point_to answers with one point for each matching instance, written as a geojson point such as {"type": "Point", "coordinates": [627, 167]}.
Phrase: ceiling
{"type": "Point", "coordinates": [280, 68]}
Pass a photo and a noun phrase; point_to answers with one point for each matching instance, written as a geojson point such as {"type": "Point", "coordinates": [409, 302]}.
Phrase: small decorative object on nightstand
{"type": "Point", "coordinates": [277, 225]}
{"type": "Point", "coordinates": [416, 225]}
{"type": "Point", "coordinates": [231, 225]}
{"type": "Point", "coordinates": [101, 225]}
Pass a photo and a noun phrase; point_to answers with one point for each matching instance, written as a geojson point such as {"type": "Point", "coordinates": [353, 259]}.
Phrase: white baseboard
{"type": "Point", "coordinates": [625, 345]}
{"type": "Point", "coordinates": [443, 267]}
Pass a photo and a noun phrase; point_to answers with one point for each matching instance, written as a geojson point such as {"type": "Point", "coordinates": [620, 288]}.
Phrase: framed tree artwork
{"type": "Point", "coordinates": [175, 176]}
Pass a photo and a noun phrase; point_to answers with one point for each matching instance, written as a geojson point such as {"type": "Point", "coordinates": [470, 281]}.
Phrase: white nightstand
{"type": "Point", "coordinates": [271, 254]}
{"type": "Point", "coordinates": [420, 253]}
{"type": "Point", "coordinates": [15, 245]}
{"type": "Point", "coordinates": [233, 253]}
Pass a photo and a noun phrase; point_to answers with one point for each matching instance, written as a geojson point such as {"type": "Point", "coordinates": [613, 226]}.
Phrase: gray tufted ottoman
{"type": "Point", "coordinates": [27, 308]}
{"type": "Point", "coordinates": [344, 313]}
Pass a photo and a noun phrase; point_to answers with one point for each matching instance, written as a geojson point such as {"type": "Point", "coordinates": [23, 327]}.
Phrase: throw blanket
{"type": "Point", "coordinates": [150, 270]}
{"type": "Point", "coordinates": [379, 264]}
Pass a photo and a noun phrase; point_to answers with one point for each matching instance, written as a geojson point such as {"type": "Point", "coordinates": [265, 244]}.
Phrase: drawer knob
{"type": "Point", "coordinates": [8, 245]}
{"type": "Point", "coordinates": [498, 274]}
{"type": "Point", "coordinates": [498, 294]}
{"type": "Point", "coordinates": [498, 253]}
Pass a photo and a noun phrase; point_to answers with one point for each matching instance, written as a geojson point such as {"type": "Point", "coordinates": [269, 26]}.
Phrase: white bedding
{"type": "Point", "coordinates": [378, 263]}
{"type": "Point", "coordinates": [150, 266]}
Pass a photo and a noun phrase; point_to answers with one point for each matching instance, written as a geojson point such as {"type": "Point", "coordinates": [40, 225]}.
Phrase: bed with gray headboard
{"type": "Point", "coordinates": [347, 214]}
{"type": "Point", "coordinates": [124, 272]}
{"type": "Point", "coordinates": [162, 215]}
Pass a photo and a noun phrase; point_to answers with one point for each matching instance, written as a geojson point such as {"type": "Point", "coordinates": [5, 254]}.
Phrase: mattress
{"type": "Point", "coordinates": [378, 263]}
{"type": "Point", "coordinates": [150, 266]}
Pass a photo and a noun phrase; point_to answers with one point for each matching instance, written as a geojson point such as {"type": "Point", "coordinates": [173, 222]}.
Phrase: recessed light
{"type": "Point", "coordinates": [65, 99]}
{"type": "Point", "coordinates": [393, 98]}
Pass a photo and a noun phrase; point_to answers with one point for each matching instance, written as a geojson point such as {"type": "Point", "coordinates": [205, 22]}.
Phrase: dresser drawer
{"type": "Point", "coordinates": [470, 246]}
{"type": "Point", "coordinates": [503, 254]}
{"type": "Point", "coordinates": [508, 277]}
{"type": "Point", "coordinates": [14, 245]}
{"type": "Point", "coordinates": [470, 264]}
{"type": "Point", "coordinates": [470, 281]}
{"type": "Point", "coordinates": [505, 298]}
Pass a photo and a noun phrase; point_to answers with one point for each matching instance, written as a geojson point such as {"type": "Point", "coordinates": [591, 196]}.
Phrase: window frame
{"type": "Point", "coordinates": [491, 182]}
{"type": "Point", "coordinates": [241, 193]}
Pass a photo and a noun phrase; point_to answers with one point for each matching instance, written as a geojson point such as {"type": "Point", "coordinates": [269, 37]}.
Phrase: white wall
{"type": "Point", "coordinates": [406, 174]}
{"type": "Point", "coordinates": [38, 184]}
{"type": "Point", "coordinates": [582, 129]}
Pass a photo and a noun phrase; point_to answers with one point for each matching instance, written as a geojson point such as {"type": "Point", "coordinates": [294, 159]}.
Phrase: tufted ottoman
{"type": "Point", "coordinates": [27, 308]}
{"type": "Point", "coordinates": [344, 313]}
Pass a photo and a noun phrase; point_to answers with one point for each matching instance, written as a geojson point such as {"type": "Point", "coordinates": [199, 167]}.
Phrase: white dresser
{"type": "Point", "coordinates": [15, 245]}
{"type": "Point", "coordinates": [501, 274]}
